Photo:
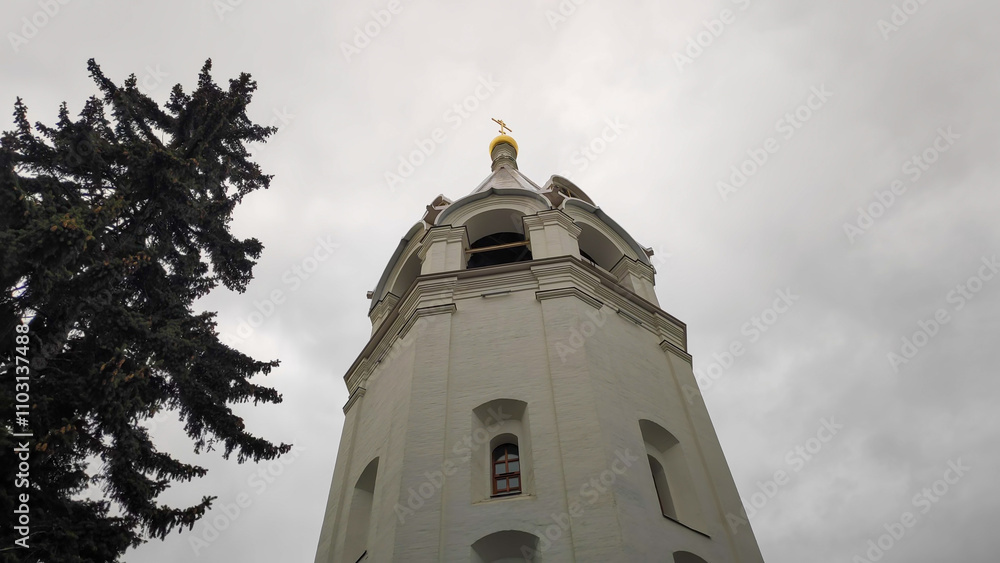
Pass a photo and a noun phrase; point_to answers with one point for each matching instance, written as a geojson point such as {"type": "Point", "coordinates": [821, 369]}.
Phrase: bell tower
{"type": "Point", "coordinates": [524, 398]}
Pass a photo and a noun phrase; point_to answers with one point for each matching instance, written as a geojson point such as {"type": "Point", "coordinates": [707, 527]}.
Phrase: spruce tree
{"type": "Point", "coordinates": [111, 226]}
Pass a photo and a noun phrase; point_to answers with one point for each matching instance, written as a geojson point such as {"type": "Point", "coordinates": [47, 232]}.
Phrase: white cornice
{"type": "Point", "coordinates": [562, 276]}
{"type": "Point", "coordinates": [569, 292]}
{"type": "Point", "coordinates": [668, 346]}
{"type": "Point", "coordinates": [358, 392]}
{"type": "Point", "coordinates": [628, 265]}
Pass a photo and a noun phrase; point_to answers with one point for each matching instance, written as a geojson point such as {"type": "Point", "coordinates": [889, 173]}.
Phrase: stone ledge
{"type": "Point", "coordinates": [357, 394]}
{"type": "Point", "coordinates": [425, 312]}
{"type": "Point", "coordinates": [569, 292]}
{"type": "Point", "coordinates": [668, 346]}
{"type": "Point", "coordinates": [566, 273]}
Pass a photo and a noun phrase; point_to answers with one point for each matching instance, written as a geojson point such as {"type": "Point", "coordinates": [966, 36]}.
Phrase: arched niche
{"type": "Point", "coordinates": [398, 272]}
{"type": "Point", "coordinates": [687, 557]}
{"type": "Point", "coordinates": [494, 423]}
{"type": "Point", "coordinates": [359, 520]}
{"type": "Point", "coordinates": [492, 221]}
{"type": "Point", "coordinates": [405, 275]}
{"type": "Point", "coordinates": [601, 237]}
{"type": "Point", "coordinates": [507, 546]}
{"type": "Point", "coordinates": [598, 248]}
{"type": "Point", "coordinates": [672, 484]}
{"type": "Point", "coordinates": [507, 247]}
{"type": "Point", "coordinates": [506, 207]}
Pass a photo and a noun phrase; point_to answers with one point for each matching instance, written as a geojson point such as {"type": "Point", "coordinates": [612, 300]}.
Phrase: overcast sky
{"type": "Point", "coordinates": [877, 99]}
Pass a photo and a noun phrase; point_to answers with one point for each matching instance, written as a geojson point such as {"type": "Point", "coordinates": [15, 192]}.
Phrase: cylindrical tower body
{"type": "Point", "coordinates": [523, 397]}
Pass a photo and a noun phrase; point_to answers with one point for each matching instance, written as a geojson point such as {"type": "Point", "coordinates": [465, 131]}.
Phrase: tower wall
{"type": "Point", "coordinates": [566, 356]}
{"type": "Point", "coordinates": [587, 374]}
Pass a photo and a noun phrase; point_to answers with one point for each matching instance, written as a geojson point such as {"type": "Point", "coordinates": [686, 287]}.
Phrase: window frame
{"type": "Point", "coordinates": [505, 458]}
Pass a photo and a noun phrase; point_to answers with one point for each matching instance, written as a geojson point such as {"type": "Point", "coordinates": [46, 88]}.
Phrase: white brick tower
{"type": "Point", "coordinates": [523, 397]}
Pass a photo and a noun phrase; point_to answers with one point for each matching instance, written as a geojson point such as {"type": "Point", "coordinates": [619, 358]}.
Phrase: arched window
{"type": "Point", "coordinates": [359, 520]}
{"type": "Point", "coordinates": [597, 248]}
{"type": "Point", "coordinates": [508, 546]}
{"type": "Point", "coordinates": [407, 274]}
{"type": "Point", "coordinates": [587, 257]}
{"type": "Point", "coordinates": [662, 488]}
{"type": "Point", "coordinates": [506, 470]}
{"type": "Point", "coordinates": [497, 423]}
{"type": "Point", "coordinates": [687, 557]}
{"type": "Point", "coordinates": [672, 481]}
{"type": "Point", "coordinates": [498, 248]}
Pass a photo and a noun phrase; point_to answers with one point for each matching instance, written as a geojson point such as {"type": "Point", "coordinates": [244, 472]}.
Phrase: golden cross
{"type": "Point", "coordinates": [502, 126]}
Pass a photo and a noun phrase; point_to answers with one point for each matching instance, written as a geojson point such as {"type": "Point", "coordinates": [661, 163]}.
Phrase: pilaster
{"type": "Point", "coordinates": [552, 233]}
{"type": "Point", "coordinates": [636, 276]}
{"type": "Point", "coordinates": [443, 249]}
{"type": "Point", "coordinates": [382, 310]}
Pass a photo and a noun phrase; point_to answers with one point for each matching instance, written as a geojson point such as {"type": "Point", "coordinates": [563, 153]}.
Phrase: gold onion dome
{"type": "Point", "coordinates": [503, 139]}
{"type": "Point", "coordinates": [503, 149]}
